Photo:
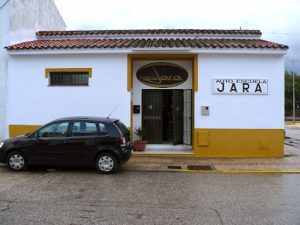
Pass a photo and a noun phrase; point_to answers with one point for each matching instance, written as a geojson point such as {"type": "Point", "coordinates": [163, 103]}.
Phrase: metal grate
{"type": "Point", "coordinates": [69, 78]}
{"type": "Point", "coordinates": [174, 167]}
{"type": "Point", "coordinates": [200, 167]}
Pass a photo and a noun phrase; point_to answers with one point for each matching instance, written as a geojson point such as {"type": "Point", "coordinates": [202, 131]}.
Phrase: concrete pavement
{"type": "Point", "coordinates": [289, 164]}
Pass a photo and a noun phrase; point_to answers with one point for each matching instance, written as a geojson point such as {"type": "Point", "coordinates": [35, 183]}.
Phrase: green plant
{"type": "Point", "coordinates": [289, 91]}
{"type": "Point", "coordinates": [139, 132]}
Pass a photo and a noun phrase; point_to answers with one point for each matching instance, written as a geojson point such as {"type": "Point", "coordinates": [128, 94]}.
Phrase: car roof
{"type": "Point", "coordinates": [88, 118]}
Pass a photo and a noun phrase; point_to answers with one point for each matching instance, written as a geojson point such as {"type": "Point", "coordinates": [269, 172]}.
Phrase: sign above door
{"type": "Point", "coordinates": [162, 75]}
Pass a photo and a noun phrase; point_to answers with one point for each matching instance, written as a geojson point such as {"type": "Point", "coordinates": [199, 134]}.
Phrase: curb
{"type": "Point", "coordinates": [292, 125]}
{"type": "Point", "coordinates": [243, 171]}
{"type": "Point", "coordinates": [220, 171]}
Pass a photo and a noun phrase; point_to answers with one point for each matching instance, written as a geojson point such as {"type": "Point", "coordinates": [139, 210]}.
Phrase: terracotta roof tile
{"type": "Point", "coordinates": [148, 32]}
{"type": "Point", "coordinates": [146, 43]}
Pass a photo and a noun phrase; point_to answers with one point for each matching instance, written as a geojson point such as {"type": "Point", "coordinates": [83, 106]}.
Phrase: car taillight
{"type": "Point", "coordinates": [122, 141]}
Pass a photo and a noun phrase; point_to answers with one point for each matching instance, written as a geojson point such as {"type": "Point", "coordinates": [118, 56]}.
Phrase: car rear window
{"type": "Point", "coordinates": [122, 127]}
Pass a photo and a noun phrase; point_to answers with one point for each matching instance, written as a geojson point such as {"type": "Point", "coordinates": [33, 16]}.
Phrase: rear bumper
{"type": "Point", "coordinates": [126, 154]}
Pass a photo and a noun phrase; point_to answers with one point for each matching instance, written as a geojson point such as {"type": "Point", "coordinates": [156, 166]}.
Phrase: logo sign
{"type": "Point", "coordinates": [240, 86]}
{"type": "Point", "coordinates": [162, 75]}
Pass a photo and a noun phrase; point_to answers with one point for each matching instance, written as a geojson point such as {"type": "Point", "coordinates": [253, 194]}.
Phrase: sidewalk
{"type": "Point", "coordinates": [289, 164]}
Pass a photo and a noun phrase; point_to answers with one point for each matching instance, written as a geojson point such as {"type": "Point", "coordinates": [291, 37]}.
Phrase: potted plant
{"type": "Point", "coordinates": [140, 144]}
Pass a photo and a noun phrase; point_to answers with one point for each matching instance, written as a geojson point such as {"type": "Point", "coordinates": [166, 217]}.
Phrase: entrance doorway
{"type": "Point", "coordinates": [166, 116]}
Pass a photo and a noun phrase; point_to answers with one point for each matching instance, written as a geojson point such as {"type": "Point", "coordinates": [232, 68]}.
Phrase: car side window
{"type": "Point", "coordinates": [84, 129]}
{"type": "Point", "coordinates": [54, 130]}
{"type": "Point", "coordinates": [102, 128]}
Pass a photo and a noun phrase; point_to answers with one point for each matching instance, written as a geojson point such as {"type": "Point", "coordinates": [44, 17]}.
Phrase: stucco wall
{"type": "Point", "coordinates": [32, 101]}
{"type": "Point", "coordinates": [240, 111]}
{"type": "Point", "coordinates": [31, 15]}
{"type": "Point", "coordinates": [4, 40]}
{"type": "Point", "coordinates": [19, 22]}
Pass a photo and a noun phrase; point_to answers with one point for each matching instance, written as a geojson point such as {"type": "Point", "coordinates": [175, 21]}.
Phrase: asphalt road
{"type": "Point", "coordinates": [85, 197]}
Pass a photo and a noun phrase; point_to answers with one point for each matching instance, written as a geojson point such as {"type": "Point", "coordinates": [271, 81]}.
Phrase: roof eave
{"type": "Point", "coordinates": [165, 33]}
{"type": "Point", "coordinates": [158, 36]}
{"type": "Point", "coordinates": [260, 51]}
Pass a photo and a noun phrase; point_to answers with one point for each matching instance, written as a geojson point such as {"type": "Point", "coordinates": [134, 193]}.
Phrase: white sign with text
{"type": "Point", "coordinates": [240, 86]}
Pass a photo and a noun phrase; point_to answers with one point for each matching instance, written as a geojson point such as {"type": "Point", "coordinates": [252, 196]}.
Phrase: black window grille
{"type": "Point", "coordinates": [69, 78]}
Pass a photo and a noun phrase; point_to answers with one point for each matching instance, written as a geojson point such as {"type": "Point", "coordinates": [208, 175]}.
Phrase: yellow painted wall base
{"type": "Point", "coordinates": [15, 130]}
{"type": "Point", "coordinates": [239, 143]}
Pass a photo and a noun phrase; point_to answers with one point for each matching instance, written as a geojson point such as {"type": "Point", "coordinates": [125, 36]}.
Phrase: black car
{"type": "Point", "coordinates": [100, 142]}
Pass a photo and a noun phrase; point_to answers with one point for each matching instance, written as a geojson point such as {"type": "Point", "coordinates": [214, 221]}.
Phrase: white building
{"type": "Point", "coordinates": [216, 93]}
{"type": "Point", "coordinates": [19, 22]}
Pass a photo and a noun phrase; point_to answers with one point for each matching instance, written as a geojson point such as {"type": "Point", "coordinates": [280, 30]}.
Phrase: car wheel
{"type": "Point", "coordinates": [107, 163]}
{"type": "Point", "coordinates": [16, 161]}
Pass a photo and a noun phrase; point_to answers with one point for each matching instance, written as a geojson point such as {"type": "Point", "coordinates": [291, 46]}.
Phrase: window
{"type": "Point", "coordinates": [102, 128]}
{"type": "Point", "coordinates": [69, 77]}
{"type": "Point", "coordinates": [54, 130]}
{"type": "Point", "coordinates": [84, 129]}
{"type": "Point", "coordinates": [122, 127]}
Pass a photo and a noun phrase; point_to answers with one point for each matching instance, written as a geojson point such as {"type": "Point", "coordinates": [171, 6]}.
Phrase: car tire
{"type": "Point", "coordinates": [106, 163]}
{"type": "Point", "coordinates": [16, 161]}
